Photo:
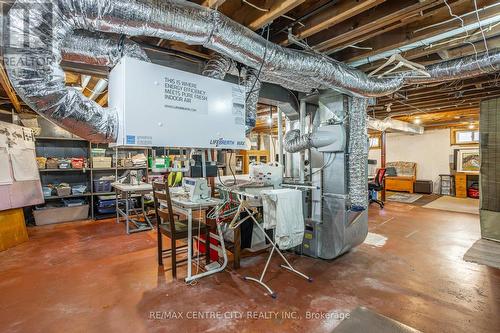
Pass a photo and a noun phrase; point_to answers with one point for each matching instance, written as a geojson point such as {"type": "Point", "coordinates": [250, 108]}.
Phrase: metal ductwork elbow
{"type": "Point", "coordinates": [294, 142]}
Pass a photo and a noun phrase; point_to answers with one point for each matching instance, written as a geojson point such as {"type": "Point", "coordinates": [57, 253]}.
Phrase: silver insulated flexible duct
{"type": "Point", "coordinates": [462, 68]}
{"type": "Point", "coordinates": [100, 49]}
{"type": "Point", "coordinates": [34, 70]}
{"type": "Point", "coordinates": [218, 66]}
{"type": "Point", "coordinates": [357, 153]}
{"type": "Point", "coordinates": [252, 86]}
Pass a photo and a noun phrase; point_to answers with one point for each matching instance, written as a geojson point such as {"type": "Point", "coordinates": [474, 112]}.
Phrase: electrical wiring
{"type": "Point", "coordinates": [230, 166]}
{"type": "Point", "coordinates": [268, 27]}
{"type": "Point", "coordinates": [481, 28]}
{"type": "Point", "coordinates": [255, 6]}
{"type": "Point", "coordinates": [463, 27]}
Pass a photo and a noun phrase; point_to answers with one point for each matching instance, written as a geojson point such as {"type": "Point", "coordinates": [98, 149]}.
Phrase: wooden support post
{"type": "Point", "coordinates": [383, 154]}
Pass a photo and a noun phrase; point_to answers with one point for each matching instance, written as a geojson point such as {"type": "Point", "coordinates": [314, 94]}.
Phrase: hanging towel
{"type": "Point", "coordinates": [283, 212]}
{"type": "Point", "coordinates": [5, 175]}
{"type": "Point", "coordinates": [24, 164]}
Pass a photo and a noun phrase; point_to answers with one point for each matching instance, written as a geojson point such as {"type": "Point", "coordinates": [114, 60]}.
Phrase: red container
{"type": "Point", "coordinates": [473, 193]}
{"type": "Point", "coordinates": [214, 254]}
{"type": "Point", "coordinates": [77, 163]}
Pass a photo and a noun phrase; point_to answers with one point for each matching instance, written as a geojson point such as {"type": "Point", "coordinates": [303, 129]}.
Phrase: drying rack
{"type": "Point", "coordinates": [243, 197]}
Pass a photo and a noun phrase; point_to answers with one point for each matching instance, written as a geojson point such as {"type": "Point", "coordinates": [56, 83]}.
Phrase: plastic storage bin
{"type": "Point", "coordinates": [79, 189]}
{"type": "Point", "coordinates": [64, 164]}
{"type": "Point", "coordinates": [47, 191]}
{"type": "Point", "coordinates": [52, 163]}
{"type": "Point", "coordinates": [77, 163]}
{"type": "Point", "coordinates": [60, 214]}
{"type": "Point", "coordinates": [101, 162]}
{"type": "Point", "coordinates": [63, 190]}
{"type": "Point", "coordinates": [102, 185]}
{"type": "Point", "coordinates": [41, 162]}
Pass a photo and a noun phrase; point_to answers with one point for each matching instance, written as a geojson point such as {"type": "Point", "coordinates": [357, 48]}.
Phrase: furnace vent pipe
{"type": "Point", "coordinates": [294, 142]}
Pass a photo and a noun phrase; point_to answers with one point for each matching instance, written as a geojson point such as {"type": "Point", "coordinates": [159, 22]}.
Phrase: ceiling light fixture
{"type": "Point", "coordinates": [417, 121]}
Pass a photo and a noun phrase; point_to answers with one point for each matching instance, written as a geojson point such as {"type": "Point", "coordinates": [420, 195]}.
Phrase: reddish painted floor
{"type": "Point", "coordinates": [91, 277]}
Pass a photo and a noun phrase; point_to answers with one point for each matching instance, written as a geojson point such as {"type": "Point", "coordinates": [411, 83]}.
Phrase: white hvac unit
{"type": "Point", "coordinates": [166, 107]}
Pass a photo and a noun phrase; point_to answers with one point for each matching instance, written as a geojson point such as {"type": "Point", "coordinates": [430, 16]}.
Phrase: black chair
{"type": "Point", "coordinates": [376, 186]}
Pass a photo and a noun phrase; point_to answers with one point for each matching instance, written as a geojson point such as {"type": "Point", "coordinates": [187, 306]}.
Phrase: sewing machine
{"type": "Point", "coordinates": [196, 188]}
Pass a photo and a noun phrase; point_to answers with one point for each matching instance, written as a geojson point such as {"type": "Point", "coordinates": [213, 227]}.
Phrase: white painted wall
{"type": "Point", "coordinates": [431, 151]}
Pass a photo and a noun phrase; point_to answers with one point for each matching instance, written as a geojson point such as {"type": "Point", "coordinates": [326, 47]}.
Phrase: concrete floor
{"type": "Point", "coordinates": [91, 277]}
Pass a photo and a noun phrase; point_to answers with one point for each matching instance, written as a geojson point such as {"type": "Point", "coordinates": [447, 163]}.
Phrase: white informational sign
{"type": "Point", "coordinates": [166, 107]}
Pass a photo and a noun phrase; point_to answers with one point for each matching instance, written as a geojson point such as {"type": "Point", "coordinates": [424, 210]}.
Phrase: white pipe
{"type": "Point", "coordinates": [85, 79]}
{"type": "Point", "coordinates": [98, 89]}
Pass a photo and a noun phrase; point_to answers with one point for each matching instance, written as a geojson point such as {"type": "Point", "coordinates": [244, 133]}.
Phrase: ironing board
{"type": "Point", "coordinates": [243, 197]}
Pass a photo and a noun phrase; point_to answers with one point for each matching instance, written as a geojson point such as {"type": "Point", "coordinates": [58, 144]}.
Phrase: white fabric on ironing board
{"type": "Point", "coordinates": [283, 212]}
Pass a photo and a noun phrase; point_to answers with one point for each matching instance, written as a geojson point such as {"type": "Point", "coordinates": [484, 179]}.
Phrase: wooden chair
{"type": "Point", "coordinates": [173, 229]}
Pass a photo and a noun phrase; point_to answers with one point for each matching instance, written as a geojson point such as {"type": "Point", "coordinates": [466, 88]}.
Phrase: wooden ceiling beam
{"type": "Point", "coordinates": [433, 106]}
{"type": "Point", "coordinates": [438, 99]}
{"type": "Point", "coordinates": [278, 8]}
{"type": "Point", "coordinates": [413, 91]}
{"type": "Point", "coordinates": [473, 108]}
{"type": "Point", "coordinates": [103, 99]}
{"type": "Point", "coordinates": [377, 19]}
{"type": "Point", "coordinates": [450, 48]}
{"type": "Point", "coordinates": [413, 33]}
{"type": "Point", "coordinates": [212, 3]}
{"type": "Point", "coordinates": [336, 14]}
{"type": "Point", "coordinates": [448, 94]}
{"type": "Point", "coordinates": [7, 87]}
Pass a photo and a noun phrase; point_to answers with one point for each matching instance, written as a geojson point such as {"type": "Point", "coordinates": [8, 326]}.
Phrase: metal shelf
{"type": "Point", "coordinates": [60, 139]}
{"type": "Point", "coordinates": [103, 193]}
{"type": "Point", "coordinates": [119, 168]}
{"type": "Point", "coordinates": [64, 170]}
{"type": "Point", "coordinates": [67, 196]}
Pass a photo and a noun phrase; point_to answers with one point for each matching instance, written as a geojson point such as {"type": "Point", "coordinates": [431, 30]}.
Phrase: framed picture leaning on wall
{"type": "Point", "coordinates": [468, 160]}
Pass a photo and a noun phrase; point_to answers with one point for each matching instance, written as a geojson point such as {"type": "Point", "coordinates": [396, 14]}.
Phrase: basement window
{"type": "Point", "coordinates": [466, 136]}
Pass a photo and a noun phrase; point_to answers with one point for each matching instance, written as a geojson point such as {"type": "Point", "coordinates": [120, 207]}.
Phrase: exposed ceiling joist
{"type": "Point", "coordinates": [212, 3]}
{"type": "Point", "coordinates": [336, 14]}
{"type": "Point", "coordinates": [103, 100]}
{"type": "Point", "coordinates": [414, 33]}
{"type": "Point", "coordinates": [375, 21]}
{"type": "Point", "coordinates": [5, 83]}
{"type": "Point", "coordinates": [278, 8]}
